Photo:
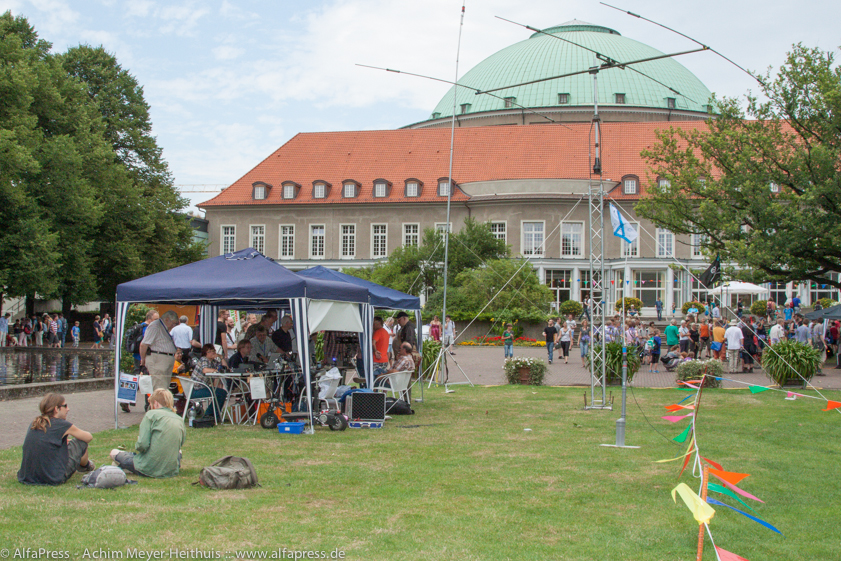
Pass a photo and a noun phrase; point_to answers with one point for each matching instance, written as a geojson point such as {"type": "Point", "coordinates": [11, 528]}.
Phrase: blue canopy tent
{"type": "Point", "coordinates": [245, 278]}
{"type": "Point", "coordinates": [378, 296]}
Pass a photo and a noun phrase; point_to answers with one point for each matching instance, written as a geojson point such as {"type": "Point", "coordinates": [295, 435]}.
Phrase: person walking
{"type": "Point", "coordinates": [658, 305]}
{"type": "Point", "coordinates": [565, 339]}
{"type": "Point", "coordinates": [4, 328]}
{"type": "Point", "coordinates": [161, 355]}
{"type": "Point", "coordinates": [734, 339]}
{"type": "Point", "coordinates": [435, 329]}
{"type": "Point", "coordinates": [819, 343]}
{"type": "Point", "coordinates": [656, 343]}
{"type": "Point", "coordinates": [549, 333]}
{"type": "Point", "coordinates": [75, 332]}
{"type": "Point", "coordinates": [449, 334]}
{"type": "Point", "coordinates": [584, 342]}
{"type": "Point", "coordinates": [508, 341]}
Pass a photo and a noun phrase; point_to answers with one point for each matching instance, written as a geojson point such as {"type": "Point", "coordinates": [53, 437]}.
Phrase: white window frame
{"type": "Point", "coordinates": [348, 236]}
{"type": "Point", "coordinates": [311, 240]}
{"type": "Point", "coordinates": [319, 191]}
{"type": "Point", "coordinates": [442, 188]}
{"type": "Point", "coordinates": [540, 249]}
{"type": "Point", "coordinates": [664, 183]}
{"type": "Point", "coordinates": [573, 254]}
{"type": "Point", "coordinates": [415, 234]}
{"type": "Point", "coordinates": [509, 101]}
{"type": "Point", "coordinates": [442, 227]}
{"type": "Point", "coordinates": [345, 187]}
{"type": "Point", "coordinates": [264, 192]}
{"type": "Point", "coordinates": [377, 187]}
{"type": "Point", "coordinates": [627, 182]}
{"type": "Point", "coordinates": [504, 224]}
{"type": "Point", "coordinates": [416, 185]}
{"type": "Point", "coordinates": [631, 249]}
{"type": "Point", "coordinates": [775, 187]}
{"type": "Point", "coordinates": [282, 237]}
{"type": "Point", "coordinates": [255, 241]}
{"type": "Point", "coordinates": [222, 239]}
{"type": "Point", "coordinates": [374, 235]}
{"type": "Point", "coordinates": [563, 100]}
{"type": "Point", "coordinates": [288, 192]}
{"type": "Point", "coordinates": [666, 246]}
{"type": "Point", "coordinates": [696, 240]}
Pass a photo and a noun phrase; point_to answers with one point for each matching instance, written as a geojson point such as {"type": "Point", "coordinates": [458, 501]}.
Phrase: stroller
{"type": "Point", "coordinates": [671, 361]}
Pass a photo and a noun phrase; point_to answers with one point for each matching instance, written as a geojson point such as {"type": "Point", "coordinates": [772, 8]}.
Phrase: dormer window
{"type": "Point", "coordinates": [444, 187]}
{"type": "Point", "coordinates": [436, 115]}
{"type": "Point", "coordinates": [670, 102]}
{"type": "Point", "coordinates": [630, 185]}
{"type": "Point", "coordinates": [290, 190]}
{"type": "Point", "coordinates": [382, 188]}
{"type": "Point", "coordinates": [510, 102]}
{"type": "Point", "coordinates": [319, 191]}
{"type": "Point", "coordinates": [465, 108]}
{"type": "Point", "coordinates": [413, 188]}
{"type": "Point", "coordinates": [350, 190]}
{"type": "Point", "coordinates": [563, 99]}
{"type": "Point", "coordinates": [619, 98]}
{"type": "Point", "coordinates": [260, 191]}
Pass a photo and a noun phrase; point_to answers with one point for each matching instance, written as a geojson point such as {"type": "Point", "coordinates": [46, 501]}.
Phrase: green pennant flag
{"type": "Point", "coordinates": [726, 491]}
{"type": "Point", "coordinates": [684, 435]}
{"type": "Point", "coordinates": [758, 389]}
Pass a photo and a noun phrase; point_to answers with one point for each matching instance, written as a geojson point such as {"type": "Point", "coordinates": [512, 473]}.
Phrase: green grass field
{"type": "Point", "coordinates": [461, 479]}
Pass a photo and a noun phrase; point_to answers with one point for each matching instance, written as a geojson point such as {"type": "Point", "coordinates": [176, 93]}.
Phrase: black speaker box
{"type": "Point", "coordinates": [363, 406]}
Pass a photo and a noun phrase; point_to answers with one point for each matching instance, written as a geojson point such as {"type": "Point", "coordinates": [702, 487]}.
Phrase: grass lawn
{"type": "Point", "coordinates": [461, 479]}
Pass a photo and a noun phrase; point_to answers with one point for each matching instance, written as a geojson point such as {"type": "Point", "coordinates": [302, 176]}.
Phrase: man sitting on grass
{"type": "Point", "coordinates": [48, 457]}
{"type": "Point", "coordinates": [162, 434]}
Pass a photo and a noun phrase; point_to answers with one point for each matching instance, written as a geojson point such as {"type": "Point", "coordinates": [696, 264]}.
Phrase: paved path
{"type": "Point", "coordinates": [94, 411]}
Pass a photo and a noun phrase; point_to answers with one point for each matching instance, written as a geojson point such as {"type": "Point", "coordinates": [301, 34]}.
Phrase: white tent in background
{"type": "Point", "coordinates": [736, 287]}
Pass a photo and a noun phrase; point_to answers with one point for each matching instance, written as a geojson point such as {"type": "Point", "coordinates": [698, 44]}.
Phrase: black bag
{"type": "Point", "coordinates": [397, 407]}
{"type": "Point", "coordinates": [133, 338]}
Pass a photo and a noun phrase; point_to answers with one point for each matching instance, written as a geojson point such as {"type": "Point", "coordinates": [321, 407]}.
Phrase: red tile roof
{"type": "Point", "coordinates": [480, 154]}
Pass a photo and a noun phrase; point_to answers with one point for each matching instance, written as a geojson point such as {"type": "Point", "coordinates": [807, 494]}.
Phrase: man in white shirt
{"type": "Point", "coordinates": [778, 332]}
{"type": "Point", "coordinates": [181, 335]}
{"type": "Point", "coordinates": [734, 339]}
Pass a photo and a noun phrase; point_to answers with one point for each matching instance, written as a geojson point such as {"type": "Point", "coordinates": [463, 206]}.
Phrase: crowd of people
{"type": "Point", "coordinates": [51, 330]}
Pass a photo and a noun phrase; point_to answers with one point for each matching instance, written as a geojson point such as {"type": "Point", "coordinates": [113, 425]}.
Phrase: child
{"type": "Point", "coordinates": [647, 347]}
{"type": "Point", "coordinates": [508, 340]}
{"type": "Point", "coordinates": [655, 342]}
{"type": "Point", "coordinates": [74, 331]}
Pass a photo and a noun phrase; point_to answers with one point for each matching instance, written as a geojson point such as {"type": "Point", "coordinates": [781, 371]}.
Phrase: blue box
{"type": "Point", "coordinates": [291, 428]}
{"type": "Point", "coordinates": [365, 424]}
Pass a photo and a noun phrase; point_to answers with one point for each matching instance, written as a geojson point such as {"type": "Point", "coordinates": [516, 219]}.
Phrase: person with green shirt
{"type": "Point", "coordinates": [672, 334]}
{"type": "Point", "coordinates": [162, 434]}
{"type": "Point", "coordinates": [508, 341]}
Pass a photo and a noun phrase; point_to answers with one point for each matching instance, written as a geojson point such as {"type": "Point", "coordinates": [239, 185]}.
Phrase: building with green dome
{"type": "Point", "coordinates": [349, 198]}
{"type": "Point", "coordinates": [636, 93]}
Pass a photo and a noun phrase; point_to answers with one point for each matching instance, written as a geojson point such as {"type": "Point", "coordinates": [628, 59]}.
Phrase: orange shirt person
{"type": "Point", "coordinates": [380, 339]}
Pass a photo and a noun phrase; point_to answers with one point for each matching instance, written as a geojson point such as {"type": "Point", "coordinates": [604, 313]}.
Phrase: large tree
{"type": "Point", "coordinates": [762, 185]}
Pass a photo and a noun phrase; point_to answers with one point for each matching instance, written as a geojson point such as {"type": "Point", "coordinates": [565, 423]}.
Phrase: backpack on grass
{"type": "Point", "coordinates": [106, 477]}
{"type": "Point", "coordinates": [231, 472]}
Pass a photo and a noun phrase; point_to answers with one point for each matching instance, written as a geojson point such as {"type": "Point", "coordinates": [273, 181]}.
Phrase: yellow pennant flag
{"type": "Point", "coordinates": [700, 509]}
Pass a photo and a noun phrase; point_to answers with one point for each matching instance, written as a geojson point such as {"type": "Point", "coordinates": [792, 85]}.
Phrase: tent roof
{"type": "Point", "coordinates": [246, 277]}
{"type": "Point", "coordinates": [380, 296]}
{"type": "Point", "coordinates": [832, 314]}
{"type": "Point", "coordinates": [737, 287]}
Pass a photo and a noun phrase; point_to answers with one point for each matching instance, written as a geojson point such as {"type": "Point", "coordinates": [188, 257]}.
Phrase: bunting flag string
{"type": "Point", "coordinates": [729, 476]}
{"type": "Point", "coordinates": [725, 491]}
{"type": "Point", "coordinates": [724, 555]}
{"type": "Point", "coordinates": [830, 405]}
{"type": "Point", "coordinates": [689, 451]}
{"type": "Point", "coordinates": [712, 463]}
{"type": "Point", "coordinates": [758, 389]}
{"type": "Point", "coordinates": [702, 511]}
{"type": "Point", "coordinates": [684, 435]}
{"type": "Point", "coordinates": [789, 394]}
{"type": "Point", "coordinates": [675, 418]}
{"type": "Point", "coordinates": [712, 501]}
{"type": "Point", "coordinates": [741, 492]}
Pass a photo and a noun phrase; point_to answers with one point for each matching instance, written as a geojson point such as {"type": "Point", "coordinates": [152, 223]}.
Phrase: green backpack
{"type": "Point", "coordinates": [231, 472]}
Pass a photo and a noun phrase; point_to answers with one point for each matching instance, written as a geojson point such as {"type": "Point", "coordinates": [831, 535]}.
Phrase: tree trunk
{"type": "Point", "coordinates": [30, 305]}
{"type": "Point", "coordinates": [66, 305]}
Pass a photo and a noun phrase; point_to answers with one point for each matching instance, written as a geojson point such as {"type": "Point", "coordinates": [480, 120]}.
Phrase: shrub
{"type": "Point", "coordinates": [782, 362]}
{"type": "Point", "coordinates": [693, 304]}
{"type": "Point", "coordinates": [695, 369]}
{"type": "Point", "coordinates": [827, 302]}
{"type": "Point", "coordinates": [613, 361]}
{"type": "Point", "coordinates": [570, 307]}
{"type": "Point", "coordinates": [537, 370]}
{"type": "Point", "coordinates": [759, 308]}
{"type": "Point", "coordinates": [635, 302]}
{"type": "Point", "coordinates": [431, 349]}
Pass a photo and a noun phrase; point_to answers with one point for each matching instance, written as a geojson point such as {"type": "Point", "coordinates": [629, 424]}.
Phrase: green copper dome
{"type": "Point", "coordinates": [543, 56]}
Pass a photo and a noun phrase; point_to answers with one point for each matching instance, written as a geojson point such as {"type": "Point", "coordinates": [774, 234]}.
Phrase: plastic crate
{"type": "Point", "coordinates": [365, 424]}
{"type": "Point", "coordinates": [291, 428]}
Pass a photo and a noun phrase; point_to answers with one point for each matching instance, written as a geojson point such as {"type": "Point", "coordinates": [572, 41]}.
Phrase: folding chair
{"type": "Point", "coordinates": [397, 383]}
{"type": "Point", "coordinates": [188, 384]}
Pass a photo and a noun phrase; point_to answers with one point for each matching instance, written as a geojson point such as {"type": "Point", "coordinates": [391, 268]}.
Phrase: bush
{"type": "Point", "coordinates": [827, 303]}
{"type": "Point", "coordinates": [635, 302]}
{"type": "Point", "coordinates": [695, 369]}
{"type": "Point", "coordinates": [613, 361]}
{"type": "Point", "coordinates": [431, 349]}
{"type": "Point", "coordinates": [759, 308]}
{"type": "Point", "coordinates": [570, 307]}
{"type": "Point", "coordinates": [779, 360]}
{"type": "Point", "coordinates": [693, 304]}
{"type": "Point", "coordinates": [537, 370]}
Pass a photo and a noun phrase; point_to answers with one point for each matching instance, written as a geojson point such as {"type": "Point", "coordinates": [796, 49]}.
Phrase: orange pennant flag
{"type": "Point", "coordinates": [676, 407]}
{"type": "Point", "coordinates": [729, 476]}
{"type": "Point", "coordinates": [713, 464]}
{"type": "Point", "coordinates": [830, 405]}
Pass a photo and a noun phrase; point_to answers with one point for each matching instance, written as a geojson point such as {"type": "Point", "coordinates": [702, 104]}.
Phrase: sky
{"type": "Point", "coordinates": [230, 81]}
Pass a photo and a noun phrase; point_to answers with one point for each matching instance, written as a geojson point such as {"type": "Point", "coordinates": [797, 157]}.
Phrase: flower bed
{"type": "Point", "coordinates": [496, 341]}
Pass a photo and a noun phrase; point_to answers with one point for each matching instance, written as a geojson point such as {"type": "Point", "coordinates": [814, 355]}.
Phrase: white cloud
{"type": "Point", "coordinates": [181, 20]}
{"type": "Point", "coordinates": [139, 8]}
{"type": "Point", "coordinates": [227, 52]}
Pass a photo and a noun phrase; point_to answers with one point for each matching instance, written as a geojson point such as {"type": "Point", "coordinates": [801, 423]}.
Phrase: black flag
{"type": "Point", "coordinates": [712, 274]}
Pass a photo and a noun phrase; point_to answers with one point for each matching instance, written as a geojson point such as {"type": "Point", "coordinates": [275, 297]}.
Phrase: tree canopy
{"type": "Point", "coordinates": [761, 185]}
{"type": "Point", "coordinates": [86, 199]}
